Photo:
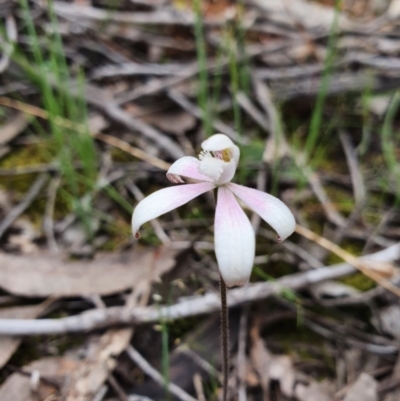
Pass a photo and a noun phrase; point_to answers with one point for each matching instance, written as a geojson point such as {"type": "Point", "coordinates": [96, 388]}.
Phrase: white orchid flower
{"type": "Point", "coordinates": [234, 235]}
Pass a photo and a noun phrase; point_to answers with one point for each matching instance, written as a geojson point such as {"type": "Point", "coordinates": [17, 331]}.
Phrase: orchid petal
{"type": "Point", "coordinates": [217, 142]}
{"type": "Point", "coordinates": [212, 167]}
{"type": "Point", "coordinates": [234, 240]}
{"type": "Point", "coordinates": [186, 166]}
{"type": "Point", "coordinates": [229, 170]}
{"type": "Point", "coordinates": [220, 142]}
{"type": "Point", "coordinates": [164, 201]}
{"type": "Point", "coordinates": [221, 167]}
{"type": "Point", "coordinates": [271, 209]}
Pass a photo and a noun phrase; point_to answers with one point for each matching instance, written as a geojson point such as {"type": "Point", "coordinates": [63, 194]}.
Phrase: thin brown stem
{"type": "Point", "coordinates": [224, 338]}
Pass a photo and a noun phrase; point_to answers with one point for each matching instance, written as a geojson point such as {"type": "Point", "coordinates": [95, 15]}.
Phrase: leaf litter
{"type": "Point", "coordinates": [45, 275]}
{"type": "Point", "coordinates": [9, 345]}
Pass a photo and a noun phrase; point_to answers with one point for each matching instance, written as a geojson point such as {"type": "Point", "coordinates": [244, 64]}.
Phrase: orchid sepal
{"type": "Point", "coordinates": [268, 207]}
{"type": "Point", "coordinates": [234, 240]}
{"type": "Point", "coordinates": [165, 200]}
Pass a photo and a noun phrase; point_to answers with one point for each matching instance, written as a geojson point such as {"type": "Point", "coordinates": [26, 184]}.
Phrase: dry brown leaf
{"type": "Point", "coordinates": [5, 202]}
{"type": "Point", "coordinates": [281, 369]}
{"type": "Point", "coordinates": [51, 275]}
{"type": "Point", "coordinates": [261, 360]}
{"type": "Point", "coordinates": [310, 14]}
{"type": "Point", "coordinates": [103, 351]}
{"type": "Point", "coordinates": [314, 391]}
{"type": "Point", "coordinates": [99, 362]}
{"type": "Point", "coordinates": [270, 367]}
{"type": "Point", "coordinates": [19, 387]}
{"type": "Point", "coordinates": [384, 269]}
{"type": "Point", "coordinates": [176, 122]}
{"type": "Point", "coordinates": [8, 345]}
{"type": "Point", "coordinates": [13, 128]}
{"type": "Point", "coordinates": [394, 9]}
{"type": "Point", "coordinates": [389, 320]}
{"type": "Point", "coordinates": [379, 104]}
{"type": "Point", "coordinates": [365, 389]}
{"type": "Point", "coordinates": [395, 394]}
{"type": "Point", "coordinates": [332, 289]}
{"type": "Point", "coordinates": [97, 122]}
{"type": "Point", "coordinates": [24, 240]}
{"type": "Point", "coordinates": [274, 150]}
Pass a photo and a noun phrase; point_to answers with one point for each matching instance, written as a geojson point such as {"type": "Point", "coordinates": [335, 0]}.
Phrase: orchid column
{"type": "Point", "coordinates": [234, 236]}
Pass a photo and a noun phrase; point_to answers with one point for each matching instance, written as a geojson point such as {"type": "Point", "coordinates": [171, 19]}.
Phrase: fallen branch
{"type": "Point", "coordinates": [198, 305]}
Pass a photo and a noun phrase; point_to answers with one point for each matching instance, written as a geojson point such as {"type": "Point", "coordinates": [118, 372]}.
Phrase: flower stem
{"type": "Point", "coordinates": [224, 337]}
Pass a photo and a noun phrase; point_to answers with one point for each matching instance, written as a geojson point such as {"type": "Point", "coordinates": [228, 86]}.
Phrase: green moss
{"type": "Point", "coordinates": [29, 154]}
{"type": "Point", "coordinates": [355, 248]}
{"type": "Point", "coordinates": [119, 155]}
{"type": "Point", "coordinates": [288, 332]}
{"type": "Point", "coordinates": [272, 270]}
{"type": "Point", "coordinates": [120, 233]}
{"type": "Point", "coordinates": [374, 209]}
{"type": "Point", "coordinates": [327, 161]}
{"type": "Point", "coordinates": [62, 206]}
{"type": "Point", "coordinates": [41, 152]}
{"type": "Point", "coordinates": [27, 352]}
{"type": "Point", "coordinates": [32, 154]}
{"type": "Point", "coordinates": [180, 328]}
{"type": "Point", "coordinates": [66, 343]}
{"type": "Point", "coordinates": [359, 281]}
{"type": "Point", "coordinates": [196, 213]}
{"type": "Point", "coordinates": [312, 211]}
{"type": "Point", "coordinates": [341, 198]}
{"type": "Point", "coordinates": [148, 237]}
{"type": "Point", "coordinates": [36, 211]}
{"type": "Point", "coordinates": [3, 113]}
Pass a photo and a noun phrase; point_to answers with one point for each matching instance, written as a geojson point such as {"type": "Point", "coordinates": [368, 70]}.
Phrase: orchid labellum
{"type": "Point", "coordinates": [234, 235]}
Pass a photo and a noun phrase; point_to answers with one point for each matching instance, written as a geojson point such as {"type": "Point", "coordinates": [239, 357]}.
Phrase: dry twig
{"type": "Point", "coordinates": [33, 192]}
{"type": "Point", "coordinates": [352, 260]}
{"type": "Point", "coordinates": [94, 319]}
{"type": "Point", "coordinates": [157, 376]}
{"type": "Point", "coordinates": [113, 141]}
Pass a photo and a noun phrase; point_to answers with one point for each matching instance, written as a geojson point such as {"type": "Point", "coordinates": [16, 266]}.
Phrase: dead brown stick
{"type": "Point", "coordinates": [48, 221]}
{"type": "Point", "coordinates": [123, 117]}
{"type": "Point", "coordinates": [98, 98]}
{"type": "Point", "coordinates": [218, 125]}
{"type": "Point", "coordinates": [157, 376]}
{"type": "Point", "coordinates": [192, 70]}
{"type": "Point", "coordinates": [357, 179]}
{"type": "Point", "coordinates": [11, 129]}
{"type": "Point", "coordinates": [158, 17]}
{"type": "Point", "coordinates": [33, 192]}
{"type": "Point", "coordinates": [7, 48]}
{"type": "Point", "coordinates": [197, 305]}
{"type": "Point", "coordinates": [136, 152]}
{"type": "Point", "coordinates": [81, 128]}
{"type": "Point", "coordinates": [351, 259]}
